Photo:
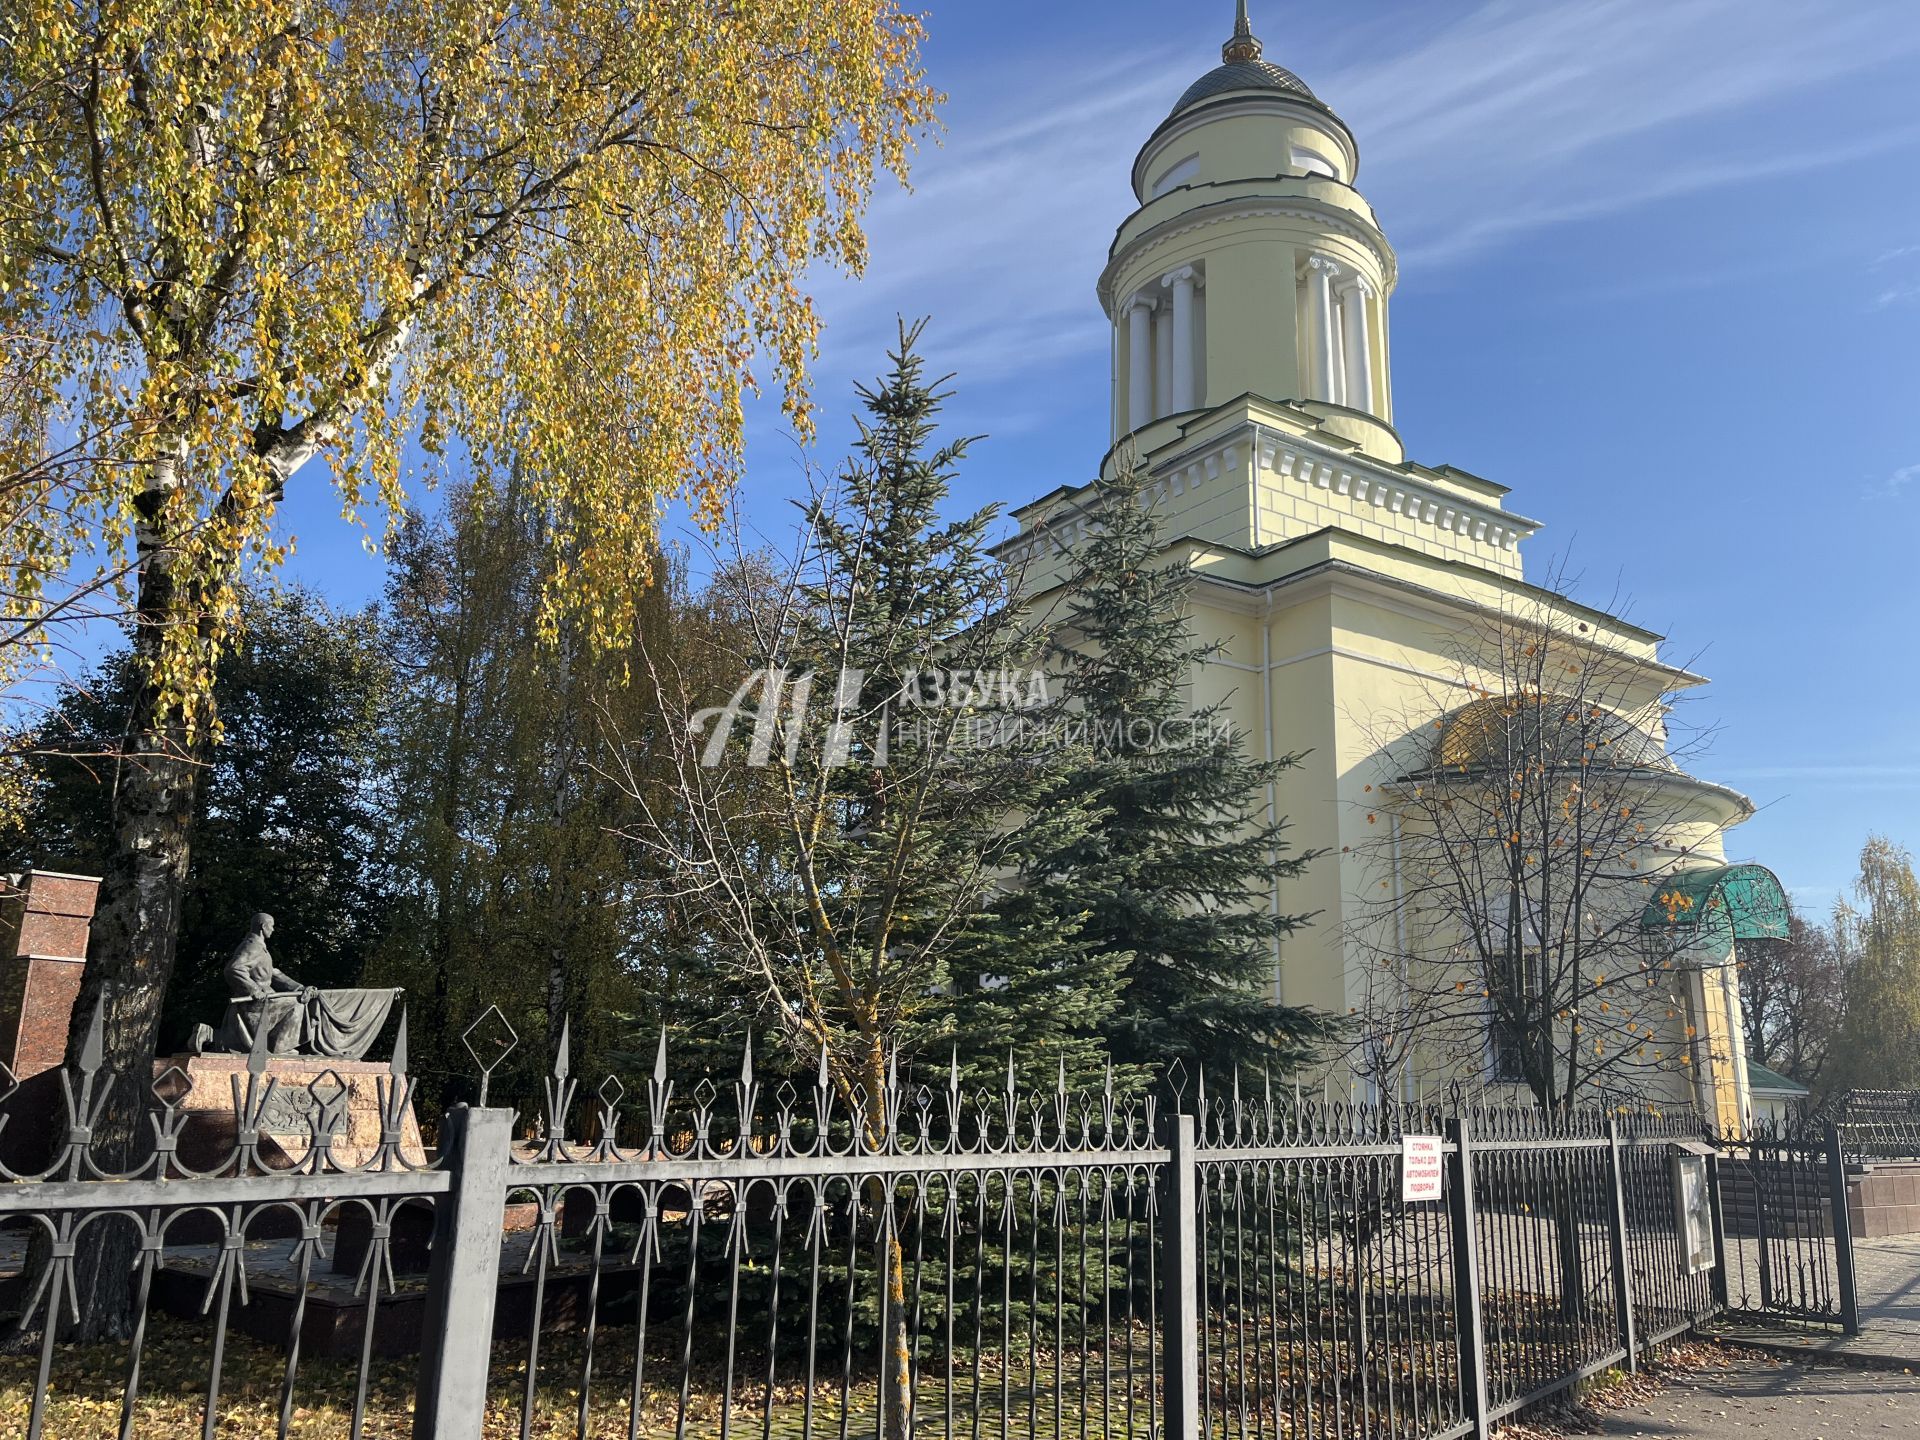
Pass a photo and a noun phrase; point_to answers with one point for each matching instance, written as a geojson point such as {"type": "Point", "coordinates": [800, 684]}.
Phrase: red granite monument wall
{"type": "Point", "coordinates": [43, 950]}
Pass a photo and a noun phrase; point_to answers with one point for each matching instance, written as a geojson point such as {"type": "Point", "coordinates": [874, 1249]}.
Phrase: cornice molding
{"type": "Point", "coordinates": [1419, 508]}
{"type": "Point", "coordinates": [1345, 580]}
{"type": "Point", "coordinates": [1248, 102]}
{"type": "Point", "coordinates": [1219, 212]}
{"type": "Point", "coordinates": [1311, 466]}
{"type": "Point", "coordinates": [1739, 807]}
{"type": "Point", "coordinates": [1068, 524]}
{"type": "Point", "coordinates": [1333, 575]}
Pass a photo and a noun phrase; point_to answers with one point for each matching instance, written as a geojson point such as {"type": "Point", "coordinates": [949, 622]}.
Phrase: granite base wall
{"type": "Point", "coordinates": [1884, 1199]}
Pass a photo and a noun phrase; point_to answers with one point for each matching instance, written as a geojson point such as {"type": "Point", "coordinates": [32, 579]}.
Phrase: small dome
{"type": "Point", "coordinates": [1241, 68]}
{"type": "Point", "coordinates": [1501, 731]}
{"type": "Point", "coordinates": [1245, 75]}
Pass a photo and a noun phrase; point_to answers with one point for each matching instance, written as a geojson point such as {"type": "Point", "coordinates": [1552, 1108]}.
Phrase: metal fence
{"type": "Point", "coordinates": [1786, 1238]}
{"type": "Point", "coordinates": [785, 1259]}
{"type": "Point", "coordinates": [1330, 1305]}
{"type": "Point", "coordinates": [1877, 1124]}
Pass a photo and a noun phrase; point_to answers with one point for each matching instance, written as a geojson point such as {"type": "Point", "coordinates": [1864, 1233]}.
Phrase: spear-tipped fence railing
{"type": "Point", "coordinates": [1876, 1126]}
{"type": "Point", "coordinates": [1787, 1243]}
{"type": "Point", "coordinates": [789, 1257]}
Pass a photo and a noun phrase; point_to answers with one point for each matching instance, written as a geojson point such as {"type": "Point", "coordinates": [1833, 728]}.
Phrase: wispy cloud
{"type": "Point", "coordinates": [1815, 901]}
{"type": "Point", "coordinates": [1681, 279]}
{"type": "Point", "coordinates": [1896, 484]}
{"type": "Point", "coordinates": [1890, 774]}
{"type": "Point", "coordinates": [1006, 228]}
{"type": "Point", "coordinates": [1519, 116]}
{"type": "Point", "coordinates": [1476, 130]}
{"type": "Point", "coordinates": [1903, 286]}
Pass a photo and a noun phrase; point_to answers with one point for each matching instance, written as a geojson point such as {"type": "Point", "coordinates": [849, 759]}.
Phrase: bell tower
{"type": "Point", "coordinates": [1251, 385]}
{"type": "Point", "coordinates": [1349, 603]}
{"type": "Point", "coordinates": [1252, 266]}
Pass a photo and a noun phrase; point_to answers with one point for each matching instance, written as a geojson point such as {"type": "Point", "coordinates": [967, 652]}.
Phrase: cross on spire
{"type": "Point", "coordinates": [1244, 46]}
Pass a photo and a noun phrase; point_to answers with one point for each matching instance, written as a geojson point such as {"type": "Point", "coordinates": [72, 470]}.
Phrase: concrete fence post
{"type": "Point", "coordinates": [1180, 1250]}
{"type": "Point", "coordinates": [463, 1278]}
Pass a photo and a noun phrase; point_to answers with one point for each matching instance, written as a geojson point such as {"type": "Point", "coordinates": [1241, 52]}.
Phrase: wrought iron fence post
{"type": "Point", "coordinates": [456, 1342]}
{"type": "Point", "coordinates": [1469, 1325]}
{"type": "Point", "coordinates": [1717, 1203]}
{"type": "Point", "coordinates": [1763, 1240]}
{"type": "Point", "coordinates": [1842, 1232]}
{"type": "Point", "coordinates": [1180, 1248]}
{"type": "Point", "coordinates": [1617, 1244]}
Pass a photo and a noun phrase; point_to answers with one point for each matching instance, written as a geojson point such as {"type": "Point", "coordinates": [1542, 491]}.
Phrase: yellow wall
{"type": "Point", "coordinates": [1335, 674]}
{"type": "Point", "coordinates": [1254, 339]}
{"type": "Point", "coordinates": [1238, 142]}
{"type": "Point", "coordinates": [1336, 575]}
{"type": "Point", "coordinates": [1249, 221]}
{"type": "Point", "coordinates": [1346, 648]}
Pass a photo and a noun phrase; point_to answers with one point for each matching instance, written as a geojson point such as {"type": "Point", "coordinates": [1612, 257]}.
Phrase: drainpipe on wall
{"type": "Point", "coordinates": [1401, 967]}
{"type": "Point", "coordinates": [1273, 784]}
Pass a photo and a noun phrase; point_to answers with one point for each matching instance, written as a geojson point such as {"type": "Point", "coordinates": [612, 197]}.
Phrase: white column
{"type": "Point", "coordinates": [1323, 335]}
{"type": "Point", "coordinates": [1163, 360]}
{"type": "Point", "coordinates": [1139, 362]}
{"type": "Point", "coordinates": [1359, 352]}
{"type": "Point", "coordinates": [1181, 283]}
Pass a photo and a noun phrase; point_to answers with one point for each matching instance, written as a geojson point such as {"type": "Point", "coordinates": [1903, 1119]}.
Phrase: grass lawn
{"type": "Point", "coordinates": [88, 1383]}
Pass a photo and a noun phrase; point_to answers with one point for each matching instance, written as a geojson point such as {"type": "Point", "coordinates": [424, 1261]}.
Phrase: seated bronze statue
{"type": "Point", "coordinates": [296, 1019]}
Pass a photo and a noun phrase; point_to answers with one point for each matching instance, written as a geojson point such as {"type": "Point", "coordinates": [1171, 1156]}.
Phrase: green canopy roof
{"type": "Point", "coordinates": [1746, 898]}
{"type": "Point", "coordinates": [1759, 1077]}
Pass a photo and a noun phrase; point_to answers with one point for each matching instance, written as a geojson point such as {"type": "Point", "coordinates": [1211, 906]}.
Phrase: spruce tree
{"type": "Point", "coordinates": [1176, 873]}
{"type": "Point", "coordinates": [946, 792]}
{"type": "Point", "coordinates": [1028, 983]}
{"type": "Point", "coordinates": [862, 893]}
{"type": "Point", "coordinates": [849, 842]}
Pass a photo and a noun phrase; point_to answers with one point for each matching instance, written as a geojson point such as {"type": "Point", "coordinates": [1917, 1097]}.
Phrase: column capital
{"type": "Point", "coordinates": [1324, 266]}
{"type": "Point", "coordinates": [1141, 301]}
{"type": "Point", "coordinates": [1356, 282]}
{"type": "Point", "coordinates": [1185, 272]}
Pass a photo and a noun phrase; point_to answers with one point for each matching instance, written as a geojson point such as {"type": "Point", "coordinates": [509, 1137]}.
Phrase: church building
{"type": "Point", "coordinates": [1250, 300]}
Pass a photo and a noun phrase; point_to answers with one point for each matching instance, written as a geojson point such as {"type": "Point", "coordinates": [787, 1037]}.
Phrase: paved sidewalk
{"type": "Point", "coordinates": [1887, 1272]}
{"type": "Point", "coordinates": [1753, 1398]}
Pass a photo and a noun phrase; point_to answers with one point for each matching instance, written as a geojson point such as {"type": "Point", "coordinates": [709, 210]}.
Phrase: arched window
{"type": "Point", "coordinates": [1175, 175]}
{"type": "Point", "coordinates": [1309, 161]}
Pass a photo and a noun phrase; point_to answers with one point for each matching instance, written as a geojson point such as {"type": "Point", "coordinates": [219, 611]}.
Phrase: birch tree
{"type": "Point", "coordinates": [49, 598]}
{"type": "Point", "coordinates": [1878, 1045]}
{"type": "Point", "coordinates": [254, 234]}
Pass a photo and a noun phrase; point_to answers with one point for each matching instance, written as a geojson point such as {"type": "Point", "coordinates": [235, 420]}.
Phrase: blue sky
{"type": "Point", "coordinates": [1660, 273]}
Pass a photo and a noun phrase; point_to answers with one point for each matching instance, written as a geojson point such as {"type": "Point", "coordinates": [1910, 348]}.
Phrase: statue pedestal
{"type": "Point", "coordinates": [286, 1126]}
